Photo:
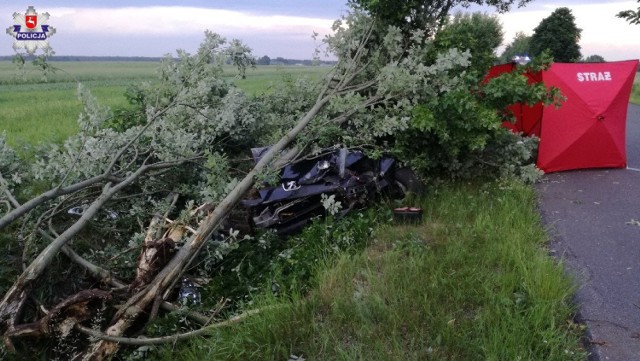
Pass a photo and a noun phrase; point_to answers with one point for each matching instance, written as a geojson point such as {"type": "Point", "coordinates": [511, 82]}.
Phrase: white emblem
{"type": "Point", "coordinates": [31, 31]}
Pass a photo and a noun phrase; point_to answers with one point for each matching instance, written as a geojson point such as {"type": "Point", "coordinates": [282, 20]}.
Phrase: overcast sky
{"type": "Point", "coordinates": [273, 27]}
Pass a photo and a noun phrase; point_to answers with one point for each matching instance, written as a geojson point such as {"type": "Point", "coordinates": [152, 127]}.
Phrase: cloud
{"type": "Point", "coordinates": [175, 20]}
{"type": "Point", "coordinates": [156, 30]}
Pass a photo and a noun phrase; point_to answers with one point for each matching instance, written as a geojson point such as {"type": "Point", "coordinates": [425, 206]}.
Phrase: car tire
{"type": "Point", "coordinates": [408, 182]}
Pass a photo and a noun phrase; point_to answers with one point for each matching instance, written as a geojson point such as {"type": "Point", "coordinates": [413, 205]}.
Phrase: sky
{"type": "Point", "coordinates": [274, 27]}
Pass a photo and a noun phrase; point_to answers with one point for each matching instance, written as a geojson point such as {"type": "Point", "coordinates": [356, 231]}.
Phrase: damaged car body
{"type": "Point", "coordinates": [353, 177]}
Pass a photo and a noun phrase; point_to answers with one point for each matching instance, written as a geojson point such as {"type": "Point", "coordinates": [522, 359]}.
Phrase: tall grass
{"type": "Point", "coordinates": [473, 282]}
{"type": "Point", "coordinates": [635, 91]}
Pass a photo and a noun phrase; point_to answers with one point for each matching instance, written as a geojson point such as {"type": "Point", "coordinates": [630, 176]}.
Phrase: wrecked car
{"type": "Point", "coordinates": [348, 175]}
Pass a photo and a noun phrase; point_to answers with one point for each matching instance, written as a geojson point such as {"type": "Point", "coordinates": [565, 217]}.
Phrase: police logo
{"type": "Point", "coordinates": [31, 31]}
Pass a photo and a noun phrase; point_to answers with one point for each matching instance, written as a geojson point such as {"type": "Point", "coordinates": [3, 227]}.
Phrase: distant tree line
{"type": "Point", "coordinates": [88, 58]}
{"type": "Point", "coordinates": [265, 60]}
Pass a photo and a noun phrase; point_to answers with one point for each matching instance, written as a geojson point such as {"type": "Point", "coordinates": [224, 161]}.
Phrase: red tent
{"type": "Point", "coordinates": [528, 118]}
{"type": "Point", "coordinates": [588, 130]}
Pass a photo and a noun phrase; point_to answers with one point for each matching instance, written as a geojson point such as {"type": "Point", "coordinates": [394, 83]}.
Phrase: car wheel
{"type": "Point", "coordinates": [407, 182]}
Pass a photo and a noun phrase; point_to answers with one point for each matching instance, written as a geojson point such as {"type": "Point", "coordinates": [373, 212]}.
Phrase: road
{"type": "Point", "coordinates": [593, 217]}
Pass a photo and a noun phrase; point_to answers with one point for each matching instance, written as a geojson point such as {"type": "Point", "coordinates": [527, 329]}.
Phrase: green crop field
{"type": "Point", "coordinates": [33, 111]}
{"type": "Point", "coordinates": [635, 93]}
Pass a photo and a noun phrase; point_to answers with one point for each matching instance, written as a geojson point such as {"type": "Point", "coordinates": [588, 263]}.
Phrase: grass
{"type": "Point", "coordinates": [48, 112]}
{"type": "Point", "coordinates": [37, 112]}
{"type": "Point", "coordinates": [635, 92]}
{"type": "Point", "coordinates": [69, 72]}
{"type": "Point", "coordinates": [473, 282]}
{"type": "Point", "coordinates": [40, 112]}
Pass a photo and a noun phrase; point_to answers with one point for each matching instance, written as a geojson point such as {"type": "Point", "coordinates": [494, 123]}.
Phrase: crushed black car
{"type": "Point", "coordinates": [349, 175]}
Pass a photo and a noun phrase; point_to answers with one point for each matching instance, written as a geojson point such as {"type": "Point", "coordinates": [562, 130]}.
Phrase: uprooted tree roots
{"type": "Point", "coordinates": [147, 291]}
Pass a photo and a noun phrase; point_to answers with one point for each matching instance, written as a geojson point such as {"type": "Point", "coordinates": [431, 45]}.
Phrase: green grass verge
{"type": "Point", "coordinates": [635, 91]}
{"type": "Point", "coordinates": [473, 282]}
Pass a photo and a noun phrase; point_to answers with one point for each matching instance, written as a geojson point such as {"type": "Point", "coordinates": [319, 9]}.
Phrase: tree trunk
{"type": "Point", "coordinates": [128, 313]}
{"type": "Point", "coordinates": [13, 300]}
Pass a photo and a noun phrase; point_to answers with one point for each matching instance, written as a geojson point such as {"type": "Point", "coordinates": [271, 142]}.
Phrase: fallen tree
{"type": "Point", "coordinates": [195, 119]}
{"type": "Point", "coordinates": [102, 164]}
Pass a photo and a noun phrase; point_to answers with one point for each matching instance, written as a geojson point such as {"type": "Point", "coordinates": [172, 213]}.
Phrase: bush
{"type": "Point", "coordinates": [459, 133]}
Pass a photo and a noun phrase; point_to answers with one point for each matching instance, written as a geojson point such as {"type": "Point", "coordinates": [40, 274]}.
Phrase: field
{"type": "Point", "coordinates": [34, 111]}
{"type": "Point", "coordinates": [635, 93]}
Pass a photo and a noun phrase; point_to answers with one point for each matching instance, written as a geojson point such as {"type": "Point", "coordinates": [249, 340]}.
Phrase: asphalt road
{"type": "Point", "coordinates": [593, 217]}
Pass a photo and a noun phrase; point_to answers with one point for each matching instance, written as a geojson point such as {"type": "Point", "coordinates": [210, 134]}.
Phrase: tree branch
{"type": "Point", "coordinates": [13, 300]}
{"type": "Point", "coordinates": [344, 117]}
{"type": "Point", "coordinates": [48, 195]}
{"type": "Point", "coordinates": [59, 190]}
{"type": "Point", "coordinates": [172, 338]}
{"type": "Point", "coordinates": [7, 192]}
{"type": "Point", "coordinates": [357, 87]}
{"type": "Point", "coordinates": [130, 143]}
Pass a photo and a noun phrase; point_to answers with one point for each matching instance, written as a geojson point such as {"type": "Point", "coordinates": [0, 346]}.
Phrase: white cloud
{"type": "Point", "coordinates": [176, 20]}
{"type": "Point", "coordinates": [156, 30]}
